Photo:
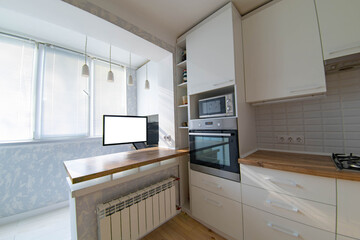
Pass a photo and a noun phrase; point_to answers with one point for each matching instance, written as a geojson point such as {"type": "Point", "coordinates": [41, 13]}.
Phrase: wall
{"type": "Point", "coordinates": [329, 124]}
{"type": "Point", "coordinates": [33, 174]}
{"type": "Point", "coordinates": [147, 100]}
{"type": "Point", "coordinates": [131, 92]}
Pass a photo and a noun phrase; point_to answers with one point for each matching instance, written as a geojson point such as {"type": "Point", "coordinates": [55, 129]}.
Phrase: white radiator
{"type": "Point", "coordinates": [133, 216]}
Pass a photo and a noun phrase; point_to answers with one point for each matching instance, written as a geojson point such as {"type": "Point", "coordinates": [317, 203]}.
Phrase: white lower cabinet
{"type": "Point", "coordinates": [219, 212]}
{"type": "Point", "coordinates": [308, 212]}
{"type": "Point", "coordinates": [260, 225]}
{"type": "Point", "coordinates": [348, 208]}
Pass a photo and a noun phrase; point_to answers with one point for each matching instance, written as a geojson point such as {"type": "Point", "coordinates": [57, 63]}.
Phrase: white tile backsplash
{"type": "Point", "coordinates": [329, 124]}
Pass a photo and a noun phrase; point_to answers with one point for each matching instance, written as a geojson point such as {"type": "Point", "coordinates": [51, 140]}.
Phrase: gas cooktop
{"type": "Point", "coordinates": [346, 161]}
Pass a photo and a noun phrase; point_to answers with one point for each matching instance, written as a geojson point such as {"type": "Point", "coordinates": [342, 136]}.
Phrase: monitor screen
{"type": "Point", "coordinates": [119, 129]}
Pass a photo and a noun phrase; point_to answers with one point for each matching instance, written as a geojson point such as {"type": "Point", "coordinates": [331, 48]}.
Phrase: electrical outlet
{"type": "Point", "coordinates": [290, 139]}
{"type": "Point", "coordinates": [281, 138]}
{"type": "Point", "coordinates": [298, 139]}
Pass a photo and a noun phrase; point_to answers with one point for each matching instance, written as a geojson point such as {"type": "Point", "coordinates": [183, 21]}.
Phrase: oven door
{"type": "Point", "coordinates": [215, 152]}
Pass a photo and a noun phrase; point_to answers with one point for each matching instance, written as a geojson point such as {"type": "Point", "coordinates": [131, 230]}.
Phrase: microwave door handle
{"type": "Point", "coordinates": [211, 134]}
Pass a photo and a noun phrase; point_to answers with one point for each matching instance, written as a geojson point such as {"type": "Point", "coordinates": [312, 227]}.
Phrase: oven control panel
{"type": "Point", "coordinates": [215, 124]}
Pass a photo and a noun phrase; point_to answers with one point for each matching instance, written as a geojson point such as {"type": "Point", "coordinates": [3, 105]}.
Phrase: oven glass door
{"type": "Point", "coordinates": [216, 149]}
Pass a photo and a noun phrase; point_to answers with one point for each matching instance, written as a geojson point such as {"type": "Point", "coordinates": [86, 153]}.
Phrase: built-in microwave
{"type": "Point", "coordinates": [219, 106]}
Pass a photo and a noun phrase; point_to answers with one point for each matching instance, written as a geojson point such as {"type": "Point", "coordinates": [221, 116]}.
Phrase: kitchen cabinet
{"type": "Point", "coordinates": [282, 51]}
{"type": "Point", "coordinates": [259, 225]}
{"type": "Point", "coordinates": [210, 51]}
{"type": "Point", "coordinates": [217, 211]}
{"type": "Point", "coordinates": [339, 27]}
{"type": "Point", "coordinates": [285, 203]}
{"type": "Point", "coordinates": [217, 202]}
{"type": "Point", "coordinates": [348, 212]}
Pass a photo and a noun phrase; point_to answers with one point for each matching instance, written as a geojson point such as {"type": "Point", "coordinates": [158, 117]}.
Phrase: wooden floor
{"type": "Point", "coordinates": [182, 227]}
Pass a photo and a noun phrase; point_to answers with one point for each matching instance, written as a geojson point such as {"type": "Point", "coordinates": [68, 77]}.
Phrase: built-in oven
{"type": "Point", "coordinates": [214, 147]}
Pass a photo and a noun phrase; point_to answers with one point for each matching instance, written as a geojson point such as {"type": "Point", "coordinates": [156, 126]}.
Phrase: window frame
{"type": "Point", "coordinates": [38, 91]}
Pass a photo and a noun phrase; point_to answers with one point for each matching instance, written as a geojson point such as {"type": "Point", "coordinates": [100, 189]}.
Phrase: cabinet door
{"type": "Point", "coordinates": [210, 54]}
{"type": "Point", "coordinates": [260, 225]}
{"type": "Point", "coordinates": [282, 51]}
{"type": "Point", "coordinates": [223, 214]}
{"type": "Point", "coordinates": [348, 210]}
{"type": "Point", "coordinates": [339, 27]}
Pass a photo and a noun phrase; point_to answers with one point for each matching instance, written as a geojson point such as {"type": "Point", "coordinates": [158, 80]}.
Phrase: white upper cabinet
{"type": "Point", "coordinates": [210, 53]}
{"type": "Point", "coordinates": [282, 51]}
{"type": "Point", "coordinates": [339, 27]}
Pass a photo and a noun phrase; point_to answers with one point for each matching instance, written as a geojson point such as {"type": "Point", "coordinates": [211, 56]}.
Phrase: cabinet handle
{"type": "Point", "coordinates": [213, 202]}
{"type": "Point", "coordinates": [282, 182]}
{"type": "Point", "coordinates": [348, 47]}
{"type": "Point", "coordinates": [306, 89]}
{"type": "Point", "coordinates": [283, 230]}
{"type": "Point", "coordinates": [211, 184]}
{"type": "Point", "coordinates": [283, 206]}
{"type": "Point", "coordinates": [217, 84]}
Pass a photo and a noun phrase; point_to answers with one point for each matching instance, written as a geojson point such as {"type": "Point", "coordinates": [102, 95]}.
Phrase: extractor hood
{"type": "Point", "coordinates": [342, 63]}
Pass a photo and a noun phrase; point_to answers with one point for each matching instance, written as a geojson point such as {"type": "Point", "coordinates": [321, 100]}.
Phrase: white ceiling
{"type": "Point", "coordinates": [169, 19]}
{"type": "Point", "coordinates": [59, 23]}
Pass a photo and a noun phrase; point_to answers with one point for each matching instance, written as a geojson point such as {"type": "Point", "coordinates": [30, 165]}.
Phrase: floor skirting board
{"type": "Point", "coordinates": [32, 213]}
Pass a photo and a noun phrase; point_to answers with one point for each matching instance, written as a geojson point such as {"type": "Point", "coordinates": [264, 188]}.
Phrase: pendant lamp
{"type": "Point", "coordinates": [131, 81]}
{"type": "Point", "coordinates": [147, 83]}
{"type": "Point", "coordinates": [85, 67]}
{"type": "Point", "coordinates": [110, 76]}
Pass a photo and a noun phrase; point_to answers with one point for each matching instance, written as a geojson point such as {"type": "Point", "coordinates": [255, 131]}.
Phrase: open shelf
{"type": "Point", "coordinates": [184, 105]}
{"type": "Point", "coordinates": [184, 127]}
{"type": "Point", "coordinates": [184, 84]}
{"type": "Point", "coordinates": [182, 64]}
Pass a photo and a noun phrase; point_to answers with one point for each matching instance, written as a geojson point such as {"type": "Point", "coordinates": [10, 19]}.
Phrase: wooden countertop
{"type": "Point", "coordinates": [84, 169]}
{"type": "Point", "coordinates": [317, 165]}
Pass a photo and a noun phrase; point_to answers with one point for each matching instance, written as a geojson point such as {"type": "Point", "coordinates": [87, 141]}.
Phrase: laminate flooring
{"type": "Point", "coordinates": [55, 225]}
{"type": "Point", "coordinates": [182, 227]}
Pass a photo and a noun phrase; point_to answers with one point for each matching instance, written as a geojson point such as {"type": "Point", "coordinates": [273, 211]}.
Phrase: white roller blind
{"type": "Point", "coordinates": [110, 97]}
{"type": "Point", "coordinates": [16, 89]}
{"type": "Point", "coordinates": [65, 104]}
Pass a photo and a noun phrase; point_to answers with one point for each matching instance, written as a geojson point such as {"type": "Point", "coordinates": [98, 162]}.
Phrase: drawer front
{"type": "Point", "coordinates": [221, 213]}
{"type": "Point", "coordinates": [311, 213]}
{"type": "Point", "coordinates": [310, 187]}
{"type": "Point", "coordinates": [259, 225]}
{"type": "Point", "coordinates": [348, 208]}
{"type": "Point", "coordinates": [220, 186]}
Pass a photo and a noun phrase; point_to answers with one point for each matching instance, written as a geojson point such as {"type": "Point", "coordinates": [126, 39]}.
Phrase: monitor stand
{"type": "Point", "coordinates": [139, 145]}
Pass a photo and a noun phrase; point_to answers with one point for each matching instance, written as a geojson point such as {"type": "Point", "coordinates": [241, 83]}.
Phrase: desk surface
{"type": "Point", "coordinates": [85, 169]}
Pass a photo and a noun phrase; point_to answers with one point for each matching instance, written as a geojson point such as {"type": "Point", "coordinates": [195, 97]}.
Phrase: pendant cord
{"type": "Point", "coordinates": [85, 48]}
{"type": "Point", "coordinates": [110, 57]}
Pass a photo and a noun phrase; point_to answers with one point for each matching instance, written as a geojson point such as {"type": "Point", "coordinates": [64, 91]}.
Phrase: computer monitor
{"type": "Point", "coordinates": [121, 129]}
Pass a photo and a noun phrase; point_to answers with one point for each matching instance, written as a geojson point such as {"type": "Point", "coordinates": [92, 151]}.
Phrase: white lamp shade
{"type": "Point", "coordinates": [85, 70]}
{"type": "Point", "coordinates": [147, 84]}
{"type": "Point", "coordinates": [131, 81]}
{"type": "Point", "coordinates": [110, 76]}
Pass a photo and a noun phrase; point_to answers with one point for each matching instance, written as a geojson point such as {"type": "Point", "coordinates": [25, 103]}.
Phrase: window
{"type": "Point", "coordinates": [65, 109]}
{"type": "Point", "coordinates": [110, 97]}
{"type": "Point", "coordinates": [43, 95]}
{"type": "Point", "coordinates": [16, 89]}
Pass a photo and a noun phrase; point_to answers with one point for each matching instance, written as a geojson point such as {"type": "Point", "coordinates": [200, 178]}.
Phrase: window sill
{"type": "Point", "coordinates": [49, 140]}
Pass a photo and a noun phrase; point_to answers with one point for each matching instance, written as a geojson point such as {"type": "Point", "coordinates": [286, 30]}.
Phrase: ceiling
{"type": "Point", "coordinates": [58, 23]}
{"type": "Point", "coordinates": [169, 19]}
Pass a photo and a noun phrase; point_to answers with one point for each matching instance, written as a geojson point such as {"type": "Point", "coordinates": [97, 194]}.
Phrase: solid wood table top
{"type": "Point", "coordinates": [84, 169]}
{"type": "Point", "coordinates": [317, 165]}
